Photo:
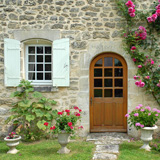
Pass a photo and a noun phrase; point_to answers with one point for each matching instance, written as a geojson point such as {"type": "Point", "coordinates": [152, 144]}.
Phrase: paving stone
{"type": "Point", "coordinates": [107, 148]}
{"type": "Point", "coordinates": [105, 156]}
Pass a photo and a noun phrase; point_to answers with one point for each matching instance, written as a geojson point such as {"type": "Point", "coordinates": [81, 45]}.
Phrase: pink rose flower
{"type": "Point", "coordinates": [127, 115]}
{"type": "Point", "coordinates": [139, 66]}
{"type": "Point", "coordinates": [148, 108]}
{"type": "Point", "coordinates": [158, 12]}
{"type": "Point", "coordinates": [154, 17]}
{"type": "Point", "coordinates": [132, 14]}
{"type": "Point", "coordinates": [69, 123]}
{"type": "Point", "coordinates": [142, 28]}
{"type": "Point", "coordinates": [71, 127]}
{"type": "Point", "coordinates": [134, 60]}
{"type": "Point", "coordinates": [138, 107]}
{"type": "Point", "coordinates": [149, 114]}
{"type": "Point", "coordinates": [131, 10]}
{"type": "Point", "coordinates": [158, 7]}
{"type": "Point", "coordinates": [142, 110]}
{"type": "Point", "coordinates": [133, 48]}
{"type": "Point", "coordinates": [136, 114]}
{"type": "Point", "coordinates": [152, 62]}
{"type": "Point", "coordinates": [141, 125]}
{"type": "Point", "coordinates": [149, 19]}
{"type": "Point", "coordinates": [156, 115]}
{"type": "Point", "coordinates": [136, 77]}
{"type": "Point", "coordinates": [158, 85]}
{"type": "Point", "coordinates": [137, 124]}
{"type": "Point", "coordinates": [129, 4]}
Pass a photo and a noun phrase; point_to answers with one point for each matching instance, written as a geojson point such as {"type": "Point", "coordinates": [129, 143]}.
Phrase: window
{"type": "Point", "coordinates": [41, 61]}
{"type": "Point", "coordinates": [39, 64]}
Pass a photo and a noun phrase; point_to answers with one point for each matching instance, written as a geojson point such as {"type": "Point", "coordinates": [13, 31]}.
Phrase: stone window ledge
{"type": "Point", "coordinates": [43, 89]}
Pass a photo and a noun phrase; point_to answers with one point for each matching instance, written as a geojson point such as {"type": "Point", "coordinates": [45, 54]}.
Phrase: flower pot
{"type": "Point", "coordinates": [12, 143]}
{"type": "Point", "coordinates": [146, 136]}
{"type": "Point", "coordinates": [63, 139]}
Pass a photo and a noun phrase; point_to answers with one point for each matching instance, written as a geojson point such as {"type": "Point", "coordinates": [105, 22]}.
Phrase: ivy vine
{"type": "Point", "coordinates": [142, 44]}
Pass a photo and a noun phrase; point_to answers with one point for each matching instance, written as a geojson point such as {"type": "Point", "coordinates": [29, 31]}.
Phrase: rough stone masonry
{"type": "Point", "coordinates": [93, 27]}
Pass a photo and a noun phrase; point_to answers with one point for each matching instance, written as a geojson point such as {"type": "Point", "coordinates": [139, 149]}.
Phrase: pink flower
{"type": "Point", "coordinates": [154, 17]}
{"type": "Point", "coordinates": [81, 127]}
{"type": "Point", "coordinates": [142, 84]}
{"type": "Point", "coordinates": [129, 4]}
{"type": "Point", "coordinates": [60, 113]}
{"type": "Point", "coordinates": [129, 111]}
{"type": "Point", "coordinates": [139, 66]}
{"type": "Point", "coordinates": [52, 128]}
{"type": "Point", "coordinates": [136, 77]}
{"type": "Point", "coordinates": [132, 14]}
{"type": "Point", "coordinates": [80, 110]}
{"type": "Point", "coordinates": [69, 123]}
{"type": "Point", "coordinates": [141, 125]}
{"type": "Point", "coordinates": [152, 62]}
{"type": "Point", "coordinates": [133, 48]}
{"type": "Point", "coordinates": [158, 111]}
{"type": "Point", "coordinates": [146, 77]}
{"type": "Point", "coordinates": [137, 124]}
{"type": "Point", "coordinates": [75, 107]}
{"type": "Point", "coordinates": [137, 83]}
{"type": "Point", "coordinates": [131, 10]}
{"type": "Point", "coordinates": [148, 108]}
{"type": "Point", "coordinates": [149, 19]}
{"type": "Point", "coordinates": [67, 110]}
{"type": "Point", "coordinates": [134, 60]}
{"type": "Point", "coordinates": [158, 65]}
{"type": "Point", "coordinates": [142, 110]}
{"type": "Point", "coordinates": [158, 12]}
{"type": "Point", "coordinates": [78, 114]}
{"type": "Point", "coordinates": [149, 114]}
{"type": "Point", "coordinates": [155, 109]}
{"type": "Point", "coordinates": [159, 1]}
{"type": "Point", "coordinates": [71, 127]}
{"type": "Point", "coordinates": [156, 115]}
{"type": "Point", "coordinates": [158, 7]}
{"type": "Point", "coordinates": [138, 107]}
{"type": "Point", "coordinates": [158, 85]}
{"type": "Point", "coordinates": [127, 115]}
{"type": "Point", "coordinates": [136, 114]}
{"type": "Point", "coordinates": [46, 123]}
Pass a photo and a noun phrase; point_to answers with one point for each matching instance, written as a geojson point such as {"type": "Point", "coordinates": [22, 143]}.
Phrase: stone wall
{"type": "Point", "coordinates": [93, 26]}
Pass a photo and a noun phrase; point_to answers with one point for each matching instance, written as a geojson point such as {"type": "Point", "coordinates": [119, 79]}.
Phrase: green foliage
{"type": "Point", "coordinates": [31, 111]}
{"type": "Point", "coordinates": [147, 50]}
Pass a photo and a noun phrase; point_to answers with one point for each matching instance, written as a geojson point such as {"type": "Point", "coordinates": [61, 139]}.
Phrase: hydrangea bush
{"type": "Point", "coordinates": [143, 117]}
{"type": "Point", "coordinates": [66, 121]}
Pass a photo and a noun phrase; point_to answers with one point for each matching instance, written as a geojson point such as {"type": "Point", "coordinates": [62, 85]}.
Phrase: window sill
{"type": "Point", "coordinates": [43, 89]}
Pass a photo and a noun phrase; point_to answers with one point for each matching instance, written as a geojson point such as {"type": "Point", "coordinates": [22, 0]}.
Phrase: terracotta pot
{"type": "Point", "coordinates": [146, 136]}
{"type": "Point", "coordinates": [63, 139]}
{"type": "Point", "coordinates": [12, 143]}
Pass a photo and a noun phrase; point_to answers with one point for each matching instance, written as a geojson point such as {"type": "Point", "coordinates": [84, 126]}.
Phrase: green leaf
{"type": "Point", "coordinates": [30, 117]}
{"type": "Point", "coordinates": [37, 94]}
{"type": "Point", "coordinates": [48, 107]}
{"type": "Point", "coordinates": [39, 113]}
{"type": "Point", "coordinates": [40, 124]}
{"type": "Point", "coordinates": [48, 116]}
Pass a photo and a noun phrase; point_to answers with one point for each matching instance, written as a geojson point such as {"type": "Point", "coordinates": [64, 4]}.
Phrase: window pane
{"type": "Point", "coordinates": [48, 50]}
{"type": "Point", "coordinates": [118, 82]}
{"type": "Point", "coordinates": [99, 63]}
{"type": "Point", "coordinates": [39, 76]}
{"type": "Point", "coordinates": [39, 67]}
{"type": "Point", "coordinates": [98, 93]}
{"type": "Point", "coordinates": [97, 72]}
{"type": "Point", "coordinates": [117, 62]}
{"type": "Point", "coordinates": [108, 61]}
{"type": "Point", "coordinates": [31, 67]}
{"type": "Point", "coordinates": [118, 72]}
{"type": "Point", "coordinates": [31, 50]}
{"type": "Point", "coordinates": [47, 76]}
{"type": "Point", "coordinates": [118, 92]}
{"type": "Point", "coordinates": [47, 67]}
{"type": "Point", "coordinates": [39, 50]}
{"type": "Point", "coordinates": [31, 58]}
{"type": "Point", "coordinates": [39, 58]}
{"type": "Point", "coordinates": [31, 76]}
{"type": "Point", "coordinates": [108, 93]}
{"type": "Point", "coordinates": [108, 82]}
{"type": "Point", "coordinates": [108, 72]}
{"type": "Point", "coordinates": [98, 83]}
{"type": "Point", "coordinates": [47, 58]}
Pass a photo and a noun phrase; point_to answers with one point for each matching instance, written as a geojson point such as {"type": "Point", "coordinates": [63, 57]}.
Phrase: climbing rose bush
{"type": "Point", "coordinates": [143, 116]}
{"type": "Point", "coordinates": [66, 120]}
{"type": "Point", "coordinates": [131, 10]}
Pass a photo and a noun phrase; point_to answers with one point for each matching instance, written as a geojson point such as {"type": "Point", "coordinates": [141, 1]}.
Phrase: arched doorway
{"type": "Point", "coordinates": [108, 93]}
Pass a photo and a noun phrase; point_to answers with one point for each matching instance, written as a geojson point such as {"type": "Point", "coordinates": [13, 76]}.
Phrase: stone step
{"type": "Point", "coordinates": [106, 156]}
{"type": "Point", "coordinates": [107, 149]}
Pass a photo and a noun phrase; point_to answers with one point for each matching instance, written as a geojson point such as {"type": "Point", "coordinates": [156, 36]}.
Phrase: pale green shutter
{"type": "Point", "coordinates": [60, 61]}
{"type": "Point", "coordinates": [11, 62]}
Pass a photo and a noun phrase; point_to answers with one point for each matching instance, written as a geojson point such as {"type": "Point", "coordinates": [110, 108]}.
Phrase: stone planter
{"type": "Point", "coordinates": [12, 143]}
{"type": "Point", "coordinates": [63, 139]}
{"type": "Point", "coordinates": [146, 136]}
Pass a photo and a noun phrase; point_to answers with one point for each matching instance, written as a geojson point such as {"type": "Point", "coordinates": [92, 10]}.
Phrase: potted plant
{"type": "Point", "coordinates": [144, 118]}
{"type": "Point", "coordinates": [12, 141]}
{"type": "Point", "coordinates": [65, 125]}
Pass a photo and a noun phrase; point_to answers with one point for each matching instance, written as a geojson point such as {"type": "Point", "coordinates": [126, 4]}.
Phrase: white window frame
{"type": "Point", "coordinates": [37, 82]}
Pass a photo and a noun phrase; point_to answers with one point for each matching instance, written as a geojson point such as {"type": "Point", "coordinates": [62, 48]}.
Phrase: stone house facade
{"type": "Point", "coordinates": [94, 60]}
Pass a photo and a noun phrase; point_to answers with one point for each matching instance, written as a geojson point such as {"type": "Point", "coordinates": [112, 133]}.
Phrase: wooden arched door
{"type": "Point", "coordinates": [108, 93]}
